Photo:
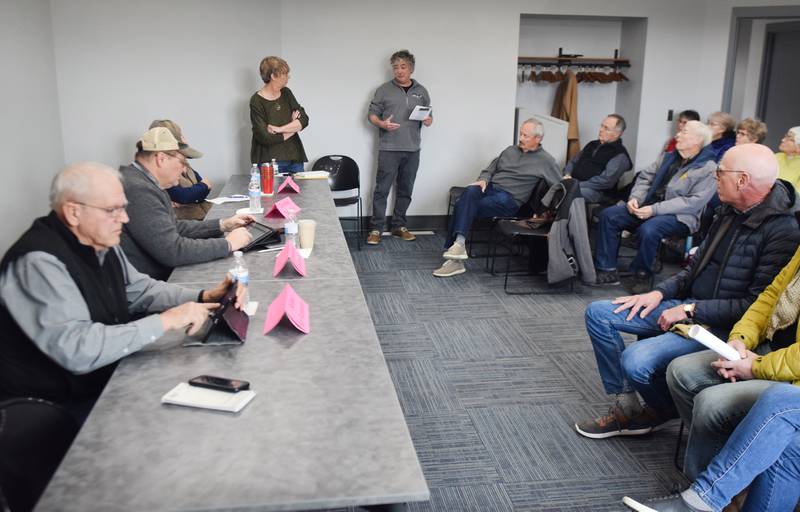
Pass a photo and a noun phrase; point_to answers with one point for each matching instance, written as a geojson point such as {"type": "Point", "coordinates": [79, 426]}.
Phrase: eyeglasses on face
{"type": "Point", "coordinates": [111, 211]}
{"type": "Point", "coordinates": [180, 158]}
{"type": "Point", "coordinates": [720, 171]}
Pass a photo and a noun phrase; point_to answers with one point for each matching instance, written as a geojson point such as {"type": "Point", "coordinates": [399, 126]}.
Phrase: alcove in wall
{"type": "Point", "coordinates": [590, 36]}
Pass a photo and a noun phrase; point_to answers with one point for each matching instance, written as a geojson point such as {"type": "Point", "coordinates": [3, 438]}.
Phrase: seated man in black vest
{"type": "Point", "coordinates": [68, 296]}
{"type": "Point", "coordinates": [602, 162]}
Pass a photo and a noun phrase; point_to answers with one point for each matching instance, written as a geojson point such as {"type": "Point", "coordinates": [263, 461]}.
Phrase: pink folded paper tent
{"type": "Point", "coordinates": [289, 253]}
{"type": "Point", "coordinates": [290, 305]}
{"type": "Point", "coordinates": [283, 209]}
{"type": "Point", "coordinates": [289, 186]}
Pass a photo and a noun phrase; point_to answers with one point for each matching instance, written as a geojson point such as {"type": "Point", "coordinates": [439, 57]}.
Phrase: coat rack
{"type": "Point", "coordinates": [589, 69]}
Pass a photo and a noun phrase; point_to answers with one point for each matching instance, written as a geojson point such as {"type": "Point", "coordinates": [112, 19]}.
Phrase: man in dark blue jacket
{"type": "Point", "coordinates": [753, 236]}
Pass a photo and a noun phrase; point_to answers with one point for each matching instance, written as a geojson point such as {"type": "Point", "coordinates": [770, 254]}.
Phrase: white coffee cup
{"type": "Point", "coordinates": [308, 228]}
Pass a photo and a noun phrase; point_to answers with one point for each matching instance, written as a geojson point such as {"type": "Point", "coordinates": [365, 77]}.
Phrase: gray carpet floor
{"type": "Point", "coordinates": [491, 384]}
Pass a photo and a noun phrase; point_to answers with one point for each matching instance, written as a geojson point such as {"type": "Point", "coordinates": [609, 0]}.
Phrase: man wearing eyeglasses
{"type": "Point", "coordinates": [752, 237]}
{"type": "Point", "coordinates": [154, 239]}
{"type": "Point", "coordinates": [601, 163]}
{"type": "Point", "coordinates": [68, 296]}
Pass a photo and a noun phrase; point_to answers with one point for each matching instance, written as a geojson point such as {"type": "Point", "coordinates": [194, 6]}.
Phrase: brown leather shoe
{"type": "Point", "coordinates": [403, 233]}
{"type": "Point", "coordinates": [374, 237]}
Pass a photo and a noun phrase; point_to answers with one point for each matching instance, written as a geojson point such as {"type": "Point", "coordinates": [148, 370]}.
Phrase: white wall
{"type": "Point", "coordinates": [542, 37]}
{"type": "Point", "coordinates": [117, 68]}
{"type": "Point", "coordinates": [120, 66]}
{"type": "Point", "coordinates": [466, 56]}
{"type": "Point", "coordinates": [30, 132]}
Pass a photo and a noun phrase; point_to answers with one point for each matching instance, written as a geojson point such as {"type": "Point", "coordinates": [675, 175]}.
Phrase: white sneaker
{"type": "Point", "coordinates": [455, 252]}
{"type": "Point", "coordinates": [450, 268]}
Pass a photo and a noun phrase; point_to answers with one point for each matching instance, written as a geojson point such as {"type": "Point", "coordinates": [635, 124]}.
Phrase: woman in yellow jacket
{"type": "Point", "coordinates": [749, 332]}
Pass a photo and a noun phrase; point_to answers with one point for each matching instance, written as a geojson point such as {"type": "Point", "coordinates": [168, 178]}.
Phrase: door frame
{"type": "Point", "coordinates": [766, 61]}
{"type": "Point", "coordinates": [739, 35]}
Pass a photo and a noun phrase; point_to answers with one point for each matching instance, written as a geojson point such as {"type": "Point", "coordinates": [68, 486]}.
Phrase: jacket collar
{"type": "Point", "coordinates": [778, 202]}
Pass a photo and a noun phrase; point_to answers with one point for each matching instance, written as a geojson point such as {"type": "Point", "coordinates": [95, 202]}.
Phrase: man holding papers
{"type": "Point", "coordinates": [393, 110]}
{"type": "Point", "coordinates": [752, 237]}
{"type": "Point", "coordinates": [72, 305]}
{"type": "Point", "coordinates": [713, 394]}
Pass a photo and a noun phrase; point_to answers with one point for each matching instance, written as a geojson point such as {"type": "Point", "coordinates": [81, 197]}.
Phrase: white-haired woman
{"type": "Point", "coordinates": [789, 157]}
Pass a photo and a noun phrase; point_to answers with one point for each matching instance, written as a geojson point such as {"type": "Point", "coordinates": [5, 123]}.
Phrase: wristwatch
{"type": "Point", "coordinates": [689, 310]}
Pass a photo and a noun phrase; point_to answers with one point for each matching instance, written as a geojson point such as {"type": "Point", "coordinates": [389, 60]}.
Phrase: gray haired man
{"type": "Point", "coordinates": [499, 191]}
{"type": "Point", "coordinates": [72, 305]}
{"type": "Point", "coordinates": [398, 149]}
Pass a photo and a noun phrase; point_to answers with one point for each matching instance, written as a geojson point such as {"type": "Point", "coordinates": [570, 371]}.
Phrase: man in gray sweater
{"type": "Point", "coordinates": [398, 149]}
{"type": "Point", "coordinates": [499, 191]}
{"type": "Point", "coordinates": [155, 240]}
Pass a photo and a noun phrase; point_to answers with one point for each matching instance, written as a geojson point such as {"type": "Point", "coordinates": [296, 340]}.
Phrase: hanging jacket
{"type": "Point", "coordinates": [565, 106]}
{"type": "Point", "coordinates": [568, 247]}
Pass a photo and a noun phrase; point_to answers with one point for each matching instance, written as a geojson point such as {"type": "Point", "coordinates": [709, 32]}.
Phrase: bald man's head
{"type": "Point", "coordinates": [757, 159]}
{"type": "Point", "coordinates": [746, 175]}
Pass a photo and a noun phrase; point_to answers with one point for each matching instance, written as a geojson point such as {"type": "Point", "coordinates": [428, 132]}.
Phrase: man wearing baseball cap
{"type": "Point", "coordinates": [155, 240]}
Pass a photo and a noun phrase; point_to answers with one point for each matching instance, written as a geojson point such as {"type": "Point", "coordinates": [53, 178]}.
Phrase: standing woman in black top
{"type": "Point", "coordinates": [277, 119]}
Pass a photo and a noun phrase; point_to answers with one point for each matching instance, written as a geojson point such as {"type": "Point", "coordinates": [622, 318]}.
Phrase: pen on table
{"type": "Point", "coordinates": [272, 249]}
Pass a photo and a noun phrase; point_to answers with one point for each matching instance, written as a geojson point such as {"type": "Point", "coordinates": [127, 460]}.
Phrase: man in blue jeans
{"type": "Point", "coordinates": [764, 449]}
{"type": "Point", "coordinates": [499, 191]}
{"type": "Point", "coordinates": [751, 240]}
{"type": "Point", "coordinates": [667, 199]}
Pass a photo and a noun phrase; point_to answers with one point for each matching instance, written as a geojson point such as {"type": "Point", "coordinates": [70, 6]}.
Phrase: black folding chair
{"type": "Point", "coordinates": [34, 436]}
{"type": "Point", "coordinates": [344, 177]}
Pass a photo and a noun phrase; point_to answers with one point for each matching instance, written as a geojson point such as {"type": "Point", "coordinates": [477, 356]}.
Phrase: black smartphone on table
{"type": "Point", "coordinates": [220, 383]}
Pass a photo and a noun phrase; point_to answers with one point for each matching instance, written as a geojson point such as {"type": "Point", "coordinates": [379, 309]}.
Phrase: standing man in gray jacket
{"type": "Point", "coordinates": [154, 239]}
{"type": "Point", "coordinates": [398, 149]}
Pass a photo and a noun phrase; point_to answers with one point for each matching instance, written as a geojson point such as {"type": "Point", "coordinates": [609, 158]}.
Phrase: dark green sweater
{"type": "Point", "coordinates": [267, 146]}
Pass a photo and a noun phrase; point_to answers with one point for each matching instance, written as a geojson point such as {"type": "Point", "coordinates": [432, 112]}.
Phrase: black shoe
{"type": "Point", "coordinates": [641, 282]}
{"type": "Point", "coordinates": [607, 278]}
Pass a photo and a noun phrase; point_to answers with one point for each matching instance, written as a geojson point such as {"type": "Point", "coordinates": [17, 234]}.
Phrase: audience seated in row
{"type": "Point", "coordinates": [154, 239]}
{"type": "Point", "coordinates": [597, 169]}
{"type": "Point", "coordinates": [72, 305]}
{"type": "Point", "coordinates": [753, 236]}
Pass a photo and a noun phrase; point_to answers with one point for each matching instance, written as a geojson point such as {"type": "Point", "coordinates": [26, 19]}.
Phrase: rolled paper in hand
{"type": "Point", "coordinates": [714, 343]}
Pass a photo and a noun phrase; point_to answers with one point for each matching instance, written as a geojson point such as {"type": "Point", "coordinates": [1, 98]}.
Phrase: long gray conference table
{"type": "Point", "coordinates": [325, 429]}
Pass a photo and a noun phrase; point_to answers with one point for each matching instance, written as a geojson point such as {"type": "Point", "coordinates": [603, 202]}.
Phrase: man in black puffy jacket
{"type": "Point", "coordinates": [752, 237]}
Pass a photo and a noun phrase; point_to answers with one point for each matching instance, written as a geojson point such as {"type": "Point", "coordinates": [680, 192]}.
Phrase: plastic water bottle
{"type": "Point", "coordinates": [275, 170]}
{"type": "Point", "coordinates": [239, 272]}
{"type": "Point", "coordinates": [290, 229]}
{"type": "Point", "coordinates": [254, 189]}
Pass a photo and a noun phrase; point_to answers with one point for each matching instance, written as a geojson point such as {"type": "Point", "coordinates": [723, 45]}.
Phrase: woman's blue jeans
{"type": "Point", "coordinates": [766, 447]}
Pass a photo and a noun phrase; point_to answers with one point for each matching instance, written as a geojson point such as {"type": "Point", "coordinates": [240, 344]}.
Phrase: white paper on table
{"type": "Point", "coordinates": [192, 396]}
{"type": "Point", "coordinates": [231, 199]}
{"type": "Point", "coordinates": [717, 345]}
{"type": "Point", "coordinates": [248, 211]}
{"type": "Point", "coordinates": [312, 175]}
{"type": "Point", "coordinates": [420, 113]}
{"type": "Point", "coordinates": [305, 253]}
